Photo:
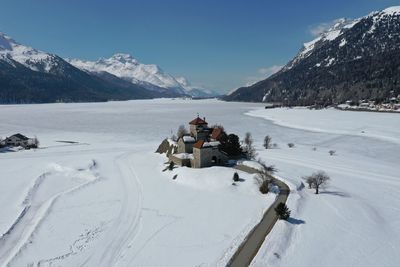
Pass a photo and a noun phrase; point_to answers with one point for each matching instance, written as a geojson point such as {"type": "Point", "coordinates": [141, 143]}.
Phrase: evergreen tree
{"type": "Point", "coordinates": [282, 211]}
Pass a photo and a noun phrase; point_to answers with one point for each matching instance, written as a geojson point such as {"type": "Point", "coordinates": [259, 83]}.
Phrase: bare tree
{"type": "Point", "coordinates": [267, 169]}
{"type": "Point", "coordinates": [218, 126]}
{"type": "Point", "coordinates": [317, 180]}
{"type": "Point", "coordinates": [267, 142]}
{"type": "Point", "coordinates": [181, 131]}
{"type": "Point", "coordinates": [248, 146]}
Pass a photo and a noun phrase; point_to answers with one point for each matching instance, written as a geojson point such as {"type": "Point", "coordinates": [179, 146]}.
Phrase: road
{"type": "Point", "coordinates": [249, 248]}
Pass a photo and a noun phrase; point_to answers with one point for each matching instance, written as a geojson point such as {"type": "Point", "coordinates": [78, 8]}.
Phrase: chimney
{"type": "Point", "coordinates": [204, 118]}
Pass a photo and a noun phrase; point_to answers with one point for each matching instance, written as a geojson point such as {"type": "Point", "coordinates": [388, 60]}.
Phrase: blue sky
{"type": "Point", "coordinates": [218, 44]}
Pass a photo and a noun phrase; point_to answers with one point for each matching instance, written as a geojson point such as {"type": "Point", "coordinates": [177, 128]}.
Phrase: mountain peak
{"type": "Point", "coordinates": [353, 59]}
{"type": "Point", "coordinates": [393, 10]}
{"type": "Point", "coordinates": [5, 42]}
{"type": "Point", "coordinates": [123, 58]}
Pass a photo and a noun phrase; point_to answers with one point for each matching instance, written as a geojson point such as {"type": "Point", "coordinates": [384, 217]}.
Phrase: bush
{"type": "Point", "coordinates": [282, 211]}
{"type": "Point", "coordinates": [262, 180]}
{"type": "Point", "coordinates": [332, 152]}
{"type": "Point", "coordinates": [248, 146]}
{"type": "Point", "coordinates": [267, 142]}
{"type": "Point", "coordinates": [236, 177]}
{"type": "Point", "coordinates": [274, 145]}
{"type": "Point", "coordinates": [264, 187]}
{"type": "Point", "coordinates": [181, 131]}
{"type": "Point", "coordinates": [267, 169]}
{"type": "Point", "coordinates": [290, 145]}
{"type": "Point", "coordinates": [171, 165]}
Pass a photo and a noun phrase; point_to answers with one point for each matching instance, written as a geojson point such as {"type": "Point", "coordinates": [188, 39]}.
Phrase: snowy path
{"type": "Point", "coordinates": [46, 190]}
{"type": "Point", "coordinates": [249, 248]}
{"type": "Point", "coordinates": [127, 225]}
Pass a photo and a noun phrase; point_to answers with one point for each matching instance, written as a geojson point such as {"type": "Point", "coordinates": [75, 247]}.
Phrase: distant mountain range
{"type": "Point", "coordinates": [353, 60]}
{"type": "Point", "coordinates": [28, 75]}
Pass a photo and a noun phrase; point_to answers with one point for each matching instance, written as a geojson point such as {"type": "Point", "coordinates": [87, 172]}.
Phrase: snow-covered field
{"type": "Point", "coordinates": [356, 220]}
{"type": "Point", "coordinates": [104, 201]}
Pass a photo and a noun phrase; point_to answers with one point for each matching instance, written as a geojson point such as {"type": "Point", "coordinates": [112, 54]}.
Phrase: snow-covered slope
{"type": "Point", "coordinates": [331, 34]}
{"type": "Point", "coordinates": [31, 58]}
{"type": "Point", "coordinates": [353, 60]}
{"type": "Point", "coordinates": [380, 19]}
{"type": "Point", "coordinates": [127, 67]}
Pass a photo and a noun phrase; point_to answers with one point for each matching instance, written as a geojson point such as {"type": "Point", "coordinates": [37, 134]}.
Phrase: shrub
{"type": "Point", "coordinates": [274, 145]}
{"type": "Point", "coordinates": [267, 142]}
{"type": "Point", "coordinates": [263, 180]}
{"type": "Point", "coordinates": [332, 152]}
{"type": "Point", "coordinates": [249, 147]}
{"type": "Point", "coordinates": [181, 131]}
{"type": "Point", "coordinates": [264, 187]}
{"type": "Point", "coordinates": [290, 145]}
{"type": "Point", "coordinates": [236, 177]}
{"type": "Point", "coordinates": [282, 211]}
{"type": "Point", "coordinates": [171, 165]}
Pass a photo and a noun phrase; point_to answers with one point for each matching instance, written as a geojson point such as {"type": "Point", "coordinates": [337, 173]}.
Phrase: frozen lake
{"type": "Point", "coordinates": [125, 211]}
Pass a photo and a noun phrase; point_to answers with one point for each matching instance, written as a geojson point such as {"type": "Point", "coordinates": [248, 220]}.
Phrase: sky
{"type": "Point", "coordinates": [219, 44]}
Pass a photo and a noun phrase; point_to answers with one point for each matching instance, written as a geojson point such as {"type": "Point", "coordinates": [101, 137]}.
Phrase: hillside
{"type": "Point", "coordinates": [354, 60]}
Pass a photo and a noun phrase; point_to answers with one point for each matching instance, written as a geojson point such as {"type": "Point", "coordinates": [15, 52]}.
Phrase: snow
{"type": "Point", "coordinates": [125, 211]}
{"type": "Point", "coordinates": [127, 67]}
{"type": "Point", "coordinates": [354, 221]}
{"type": "Point", "coordinates": [211, 144]}
{"type": "Point", "coordinates": [394, 10]}
{"type": "Point", "coordinates": [329, 35]}
{"type": "Point", "coordinates": [251, 164]}
{"type": "Point", "coordinates": [342, 42]}
{"type": "Point", "coordinates": [188, 139]}
{"type": "Point", "coordinates": [184, 156]}
{"type": "Point", "coordinates": [31, 58]}
{"type": "Point", "coordinates": [332, 35]}
{"type": "Point", "coordinates": [330, 62]}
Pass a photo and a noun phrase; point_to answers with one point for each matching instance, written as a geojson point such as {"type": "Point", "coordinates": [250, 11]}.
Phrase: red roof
{"type": "Point", "coordinates": [197, 121]}
{"type": "Point", "coordinates": [216, 133]}
{"type": "Point", "coordinates": [199, 144]}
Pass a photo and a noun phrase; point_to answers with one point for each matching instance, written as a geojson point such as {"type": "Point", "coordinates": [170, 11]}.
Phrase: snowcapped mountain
{"type": "Point", "coordinates": [28, 75]}
{"type": "Point", "coordinates": [150, 76]}
{"type": "Point", "coordinates": [353, 60]}
{"type": "Point", "coordinates": [195, 91]}
{"type": "Point", "coordinates": [36, 60]}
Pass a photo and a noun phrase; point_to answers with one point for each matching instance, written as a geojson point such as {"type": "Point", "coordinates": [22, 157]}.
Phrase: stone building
{"type": "Point", "coordinates": [200, 148]}
{"type": "Point", "coordinates": [185, 144]}
{"type": "Point", "coordinates": [207, 154]}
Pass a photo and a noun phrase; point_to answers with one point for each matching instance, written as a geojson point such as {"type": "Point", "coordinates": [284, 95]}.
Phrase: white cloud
{"type": "Point", "coordinates": [316, 30]}
{"type": "Point", "coordinates": [262, 74]}
{"type": "Point", "coordinates": [270, 70]}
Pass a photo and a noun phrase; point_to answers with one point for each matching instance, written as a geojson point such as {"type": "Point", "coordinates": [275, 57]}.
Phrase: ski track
{"type": "Point", "coordinates": [30, 219]}
{"type": "Point", "coordinates": [126, 226]}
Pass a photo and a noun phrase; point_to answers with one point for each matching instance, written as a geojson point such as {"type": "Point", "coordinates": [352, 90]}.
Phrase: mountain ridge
{"type": "Point", "coordinates": [353, 60]}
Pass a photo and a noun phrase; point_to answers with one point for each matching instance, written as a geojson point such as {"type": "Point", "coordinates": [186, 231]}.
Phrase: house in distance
{"type": "Point", "coordinates": [19, 140]}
